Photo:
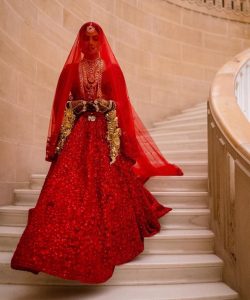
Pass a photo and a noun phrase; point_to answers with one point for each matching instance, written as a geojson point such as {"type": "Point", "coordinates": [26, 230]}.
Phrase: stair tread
{"type": "Point", "coordinates": [180, 178]}
{"type": "Point", "coordinates": [196, 106]}
{"type": "Point", "coordinates": [174, 211]}
{"type": "Point", "coordinates": [170, 193]}
{"type": "Point", "coordinates": [185, 116]}
{"type": "Point", "coordinates": [202, 113]}
{"type": "Point", "coordinates": [181, 142]}
{"type": "Point", "coordinates": [195, 162]}
{"type": "Point", "coordinates": [188, 291]}
{"type": "Point", "coordinates": [171, 233]}
{"type": "Point", "coordinates": [184, 132]}
{"type": "Point", "coordinates": [27, 190]}
{"type": "Point", "coordinates": [177, 233]}
{"type": "Point", "coordinates": [189, 120]}
{"type": "Point", "coordinates": [15, 207]}
{"type": "Point", "coordinates": [11, 230]}
{"type": "Point", "coordinates": [179, 125]}
{"type": "Point", "coordinates": [185, 151]}
{"type": "Point", "coordinates": [154, 260]}
{"type": "Point", "coordinates": [180, 193]}
{"type": "Point", "coordinates": [37, 176]}
{"type": "Point", "coordinates": [177, 117]}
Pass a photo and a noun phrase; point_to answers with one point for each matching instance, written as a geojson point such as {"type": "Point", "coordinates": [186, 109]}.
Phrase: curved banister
{"type": "Point", "coordinates": [229, 171]}
{"type": "Point", "coordinates": [242, 89]}
{"type": "Point", "coordinates": [225, 109]}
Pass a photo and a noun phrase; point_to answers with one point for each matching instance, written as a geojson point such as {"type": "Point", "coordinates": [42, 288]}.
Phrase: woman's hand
{"type": "Point", "coordinates": [76, 103]}
{"type": "Point", "coordinates": [105, 105]}
{"type": "Point", "coordinates": [99, 104]}
{"type": "Point", "coordinates": [73, 103]}
{"type": "Point", "coordinates": [78, 106]}
{"type": "Point", "coordinates": [104, 102]}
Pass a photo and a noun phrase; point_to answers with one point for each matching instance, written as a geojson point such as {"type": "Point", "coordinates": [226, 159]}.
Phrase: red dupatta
{"type": "Point", "coordinates": [136, 142]}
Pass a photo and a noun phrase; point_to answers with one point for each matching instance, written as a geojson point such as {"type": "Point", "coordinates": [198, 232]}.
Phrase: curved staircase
{"type": "Point", "coordinates": [177, 264]}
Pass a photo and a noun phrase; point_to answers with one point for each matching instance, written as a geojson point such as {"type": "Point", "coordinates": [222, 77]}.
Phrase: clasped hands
{"type": "Point", "coordinates": [100, 105]}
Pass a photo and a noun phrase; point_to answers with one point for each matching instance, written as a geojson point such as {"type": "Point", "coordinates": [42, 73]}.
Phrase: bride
{"type": "Point", "coordinates": [93, 211]}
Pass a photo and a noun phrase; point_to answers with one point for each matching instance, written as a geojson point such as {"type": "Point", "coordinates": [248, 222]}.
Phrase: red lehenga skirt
{"type": "Point", "coordinates": [90, 215]}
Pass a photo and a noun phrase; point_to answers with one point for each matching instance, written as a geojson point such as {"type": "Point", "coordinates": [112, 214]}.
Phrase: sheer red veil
{"type": "Point", "coordinates": [136, 143]}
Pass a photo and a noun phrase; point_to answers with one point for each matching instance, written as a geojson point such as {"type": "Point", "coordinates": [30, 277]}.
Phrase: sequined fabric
{"type": "Point", "coordinates": [90, 215]}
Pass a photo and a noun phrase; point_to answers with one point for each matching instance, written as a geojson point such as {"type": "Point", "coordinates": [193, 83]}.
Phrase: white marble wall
{"type": "Point", "coordinates": [169, 56]}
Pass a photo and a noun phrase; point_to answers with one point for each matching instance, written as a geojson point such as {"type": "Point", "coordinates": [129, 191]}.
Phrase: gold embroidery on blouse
{"type": "Point", "coordinates": [66, 127]}
{"type": "Point", "coordinates": [113, 134]}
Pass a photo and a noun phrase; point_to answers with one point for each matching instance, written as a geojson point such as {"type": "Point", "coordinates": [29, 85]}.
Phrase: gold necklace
{"type": "Point", "coordinates": [90, 73]}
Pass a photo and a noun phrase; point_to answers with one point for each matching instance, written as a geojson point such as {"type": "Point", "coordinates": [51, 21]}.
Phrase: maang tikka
{"type": "Point", "coordinates": [90, 28]}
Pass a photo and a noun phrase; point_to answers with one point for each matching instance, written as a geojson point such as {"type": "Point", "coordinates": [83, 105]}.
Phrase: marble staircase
{"type": "Point", "coordinates": [178, 263]}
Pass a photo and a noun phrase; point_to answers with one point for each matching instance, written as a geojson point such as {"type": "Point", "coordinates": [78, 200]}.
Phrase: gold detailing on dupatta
{"type": "Point", "coordinates": [66, 127]}
{"type": "Point", "coordinates": [113, 132]}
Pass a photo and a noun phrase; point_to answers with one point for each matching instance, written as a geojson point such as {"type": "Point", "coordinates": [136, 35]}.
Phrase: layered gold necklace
{"type": "Point", "coordinates": [90, 74]}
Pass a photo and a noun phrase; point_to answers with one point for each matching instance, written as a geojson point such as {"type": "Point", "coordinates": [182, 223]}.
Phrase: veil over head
{"type": "Point", "coordinates": [136, 142]}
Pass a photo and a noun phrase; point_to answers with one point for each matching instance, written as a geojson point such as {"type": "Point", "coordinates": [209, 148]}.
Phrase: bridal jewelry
{"type": "Point", "coordinates": [90, 75]}
{"type": "Point", "coordinates": [90, 28]}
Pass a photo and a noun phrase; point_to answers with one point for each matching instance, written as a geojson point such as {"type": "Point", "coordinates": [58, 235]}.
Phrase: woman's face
{"type": "Point", "coordinates": [91, 43]}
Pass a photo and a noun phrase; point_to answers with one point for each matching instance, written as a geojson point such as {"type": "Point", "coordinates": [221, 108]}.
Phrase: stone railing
{"type": "Point", "coordinates": [242, 89]}
{"type": "Point", "coordinates": [230, 9]}
{"type": "Point", "coordinates": [229, 173]}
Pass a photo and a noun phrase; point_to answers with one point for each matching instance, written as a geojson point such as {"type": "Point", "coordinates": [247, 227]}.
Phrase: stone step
{"type": "Point", "coordinates": [184, 199]}
{"type": "Point", "coordinates": [201, 104]}
{"type": "Point", "coordinates": [177, 183]}
{"type": "Point", "coordinates": [9, 237]}
{"type": "Point", "coordinates": [195, 144]}
{"type": "Point", "coordinates": [193, 167]}
{"type": "Point", "coordinates": [179, 127]}
{"type": "Point", "coordinates": [144, 269]}
{"type": "Point", "coordinates": [180, 242]}
{"type": "Point", "coordinates": [172, 182]}
{"type": "Point", "coordinates": [189, 115]}
{"type": "Point", "coordinates": [17, 215]}
{"type": "Point", "coordinates": [185, 155]}
{"type": "Point", "coordinates": [184, 115]}
{"type": "Point", "coordinates": [187, 291]}
{"type": "Point", "coordinates": [26, 196]}
{"type": "Point", "coordinates": [186, 219]}
{"type": "Point", "coordinates": [174, 199]}
{"type": "Point", "coordinates": [164, 242]}
{"type": "Point", "coordinates": [193, 111]}
{"type": "Point", "coordinates": [197, 108]}
{"type": "Point", "coordinates": [37, 181]}
{"type": "Point", "coordinates": [179, 135]}
{"type": "Point", "coordinates": [183, 119]}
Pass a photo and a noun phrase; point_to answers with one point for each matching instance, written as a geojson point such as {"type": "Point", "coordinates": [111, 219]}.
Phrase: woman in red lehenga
{"type": "Point", "coordinates": [93, 211]}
